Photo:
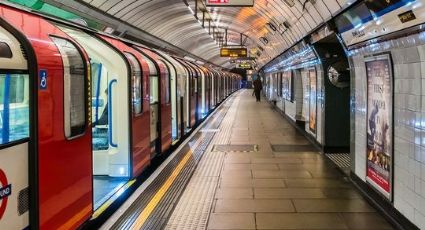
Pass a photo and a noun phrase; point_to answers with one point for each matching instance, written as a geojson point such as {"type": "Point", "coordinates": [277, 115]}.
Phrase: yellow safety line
{"type": "Point", "coordinates": [141, 219]}
{"type": "Point", "coordinates": [175, 142]}
{"type": "Point", "coordinates": [109, 202]}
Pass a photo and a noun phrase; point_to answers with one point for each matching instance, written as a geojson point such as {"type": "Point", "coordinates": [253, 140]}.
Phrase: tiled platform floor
{"type": "Point", "coordinates": [281, 190]}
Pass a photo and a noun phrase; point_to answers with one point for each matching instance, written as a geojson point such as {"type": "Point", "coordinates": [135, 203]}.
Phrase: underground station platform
{"type": "Point", "coordinates": [246, 167]}
{"type": "Point", "coordinates": [212, 114]}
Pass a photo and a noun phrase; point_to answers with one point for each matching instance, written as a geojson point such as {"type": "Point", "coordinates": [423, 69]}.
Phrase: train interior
{"type": "Point", "coordinates": [110, 119]}
{"type": "Point", "coordinates": [14, 95]}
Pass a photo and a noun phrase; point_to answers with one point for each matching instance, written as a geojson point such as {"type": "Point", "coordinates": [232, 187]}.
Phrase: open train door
{"type": "Point", "coordinates": [16, 108]}
{"type": "Point", "coordinates": [110, 117]}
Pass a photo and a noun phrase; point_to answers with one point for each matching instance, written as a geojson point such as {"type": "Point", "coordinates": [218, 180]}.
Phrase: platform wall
{"type": "Point", "coordinates": [408, 57]}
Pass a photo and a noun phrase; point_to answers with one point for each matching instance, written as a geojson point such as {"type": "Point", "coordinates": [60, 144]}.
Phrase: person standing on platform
{"type": "Point", "coordinates": [258, 86]}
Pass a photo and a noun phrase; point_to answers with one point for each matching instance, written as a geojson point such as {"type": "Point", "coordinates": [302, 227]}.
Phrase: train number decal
{"type": "Point", "coordinates": [5, 191]}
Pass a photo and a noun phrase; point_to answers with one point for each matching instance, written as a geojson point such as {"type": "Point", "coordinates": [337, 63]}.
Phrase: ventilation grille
{"type": "Point", "coordinates": [23, 201]}
{"type": "Point", "coordinates": [23, 52]}
{"type": "Point", "coordinates": [342, 160]}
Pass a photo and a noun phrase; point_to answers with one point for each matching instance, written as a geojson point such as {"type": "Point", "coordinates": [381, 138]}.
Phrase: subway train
{"type": "Point", "coordinates": [83, 113]}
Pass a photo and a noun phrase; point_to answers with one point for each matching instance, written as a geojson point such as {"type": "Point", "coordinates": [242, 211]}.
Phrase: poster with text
{"type": "Point", "coordinates": [313, 98]}
{"type": "Point", "coordinates": [287, 85]}
{"type": "Point", "coordinates": [379, 123]}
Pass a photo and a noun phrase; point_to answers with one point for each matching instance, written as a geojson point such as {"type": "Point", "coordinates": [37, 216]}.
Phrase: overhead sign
{"type": "Point", "coordinates": [233, 52]}
{"type": "Point", "coordinates": [244, 66]}
{"type": "Point", "coordinates": [234, 3]}
{"type": "Point", "coordinates": [359, 24]}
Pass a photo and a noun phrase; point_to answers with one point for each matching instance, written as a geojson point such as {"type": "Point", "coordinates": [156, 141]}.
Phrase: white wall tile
{"type": "Point", "coordinates": [409, 122]}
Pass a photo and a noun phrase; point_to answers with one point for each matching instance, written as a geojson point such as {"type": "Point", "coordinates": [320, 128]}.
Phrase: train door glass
{"type": "Point", "coordinates": [188, 98]}
{"type": "Point", "coordinates": [74, 88]}
{"type": "Point", "coordinates": [195, 93]}
{"type": "Point", "coordinates": [136, 84]}
{"type": "Point", "coordinates": [154, 104]}
{"type": "Point", "coordinates": [174, 119]}
{"type": "Point", "coordinates": [14, 133]}
{"type": "Point", "coordinates": [100, 106]}
{"type": "Point", "coordinates": [14, 107]}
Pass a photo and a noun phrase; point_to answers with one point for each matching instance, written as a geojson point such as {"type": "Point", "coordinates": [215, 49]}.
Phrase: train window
{"type": "Point", "coordinates": [14, 107]}
{"type": "Point", "coordinates": [136, 84]}
{"type": "Point", "coordinates": [167, 87]}
{"type": "Point", "coordinates": [154, 89]}
{"type": "Point", "coordinates": [5, 51]}
{"type": "Point", "coordinates": [74, 88]}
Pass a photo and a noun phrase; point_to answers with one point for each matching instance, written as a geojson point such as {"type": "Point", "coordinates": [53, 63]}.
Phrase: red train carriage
{"type": "Point", "coordinates": [160, 102]}
{"type": "Point", "coordinates": [61, 161]}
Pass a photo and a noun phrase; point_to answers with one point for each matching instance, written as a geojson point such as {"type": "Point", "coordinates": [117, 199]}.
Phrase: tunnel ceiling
{"type": "Point", "coordinates": [174, 22]}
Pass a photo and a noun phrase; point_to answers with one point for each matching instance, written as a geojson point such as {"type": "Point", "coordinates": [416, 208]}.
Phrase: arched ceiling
{"type": "Point", "coordinates": [174, 22]}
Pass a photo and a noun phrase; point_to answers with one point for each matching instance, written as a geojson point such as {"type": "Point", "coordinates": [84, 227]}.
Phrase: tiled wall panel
{"type": "Point", "coordinates": [408, 55]}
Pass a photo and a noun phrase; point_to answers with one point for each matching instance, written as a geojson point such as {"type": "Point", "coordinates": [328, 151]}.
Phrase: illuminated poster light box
{"type": "Point", "coordinates": [234, 3]}
{"type": "Point", "coordinates": [233, 52]}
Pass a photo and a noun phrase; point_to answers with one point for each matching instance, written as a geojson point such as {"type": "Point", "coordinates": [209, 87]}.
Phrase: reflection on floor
{"type": "Point", "coordinates": [104, 187]}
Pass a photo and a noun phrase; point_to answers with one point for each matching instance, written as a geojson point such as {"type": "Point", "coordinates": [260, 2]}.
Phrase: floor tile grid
{"type": "Point", "coordinates": [303, 202]}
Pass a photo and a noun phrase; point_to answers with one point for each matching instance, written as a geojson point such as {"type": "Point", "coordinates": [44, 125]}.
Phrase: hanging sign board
{"type": "Point", "coordinates": [233, 52]}
{"type": "Point", "coordinates": [244, 66]}
{"type": "Point", "coordinates": [379, 123]}
{"type": "Point", "coordinates": [234, 3]}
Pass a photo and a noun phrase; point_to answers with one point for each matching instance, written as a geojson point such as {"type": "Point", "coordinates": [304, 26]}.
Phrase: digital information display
{"type": "Point", "coordinates": [233, 52]}
{"type": "Point", "coordinates": [234, 3]}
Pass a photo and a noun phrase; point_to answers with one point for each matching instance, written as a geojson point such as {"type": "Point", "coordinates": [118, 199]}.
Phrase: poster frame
{"type": "Point", "coordinates": [312, 69]}
{"type": "Point", "coordinates": [288, 76]}
{"type": "Point", "coordinates": [373, 185]}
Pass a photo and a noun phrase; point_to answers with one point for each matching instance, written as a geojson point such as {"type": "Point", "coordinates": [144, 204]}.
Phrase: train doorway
{"type": "Point", "coordinates": [109, 116]}
{"type": "Point", "coordinates": [15, 122]}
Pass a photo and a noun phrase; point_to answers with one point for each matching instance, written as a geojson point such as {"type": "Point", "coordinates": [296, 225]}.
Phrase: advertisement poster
{"type": "Point", "coordinates": [285, 85]}
{"type": "Point", "coordinates": [313, 98]}
{"type": "Point", "coordinates": [379, 123]}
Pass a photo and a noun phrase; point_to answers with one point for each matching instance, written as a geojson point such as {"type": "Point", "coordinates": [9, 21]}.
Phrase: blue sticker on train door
{"type": "Point", "coordinates": [43, 79]}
